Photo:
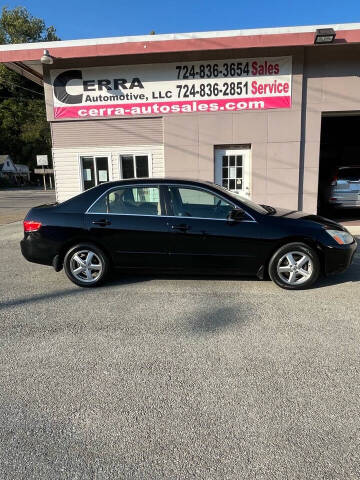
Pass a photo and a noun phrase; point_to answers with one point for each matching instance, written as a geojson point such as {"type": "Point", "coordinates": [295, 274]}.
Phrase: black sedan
{"type": "Point", "coordinates": [182, 226]}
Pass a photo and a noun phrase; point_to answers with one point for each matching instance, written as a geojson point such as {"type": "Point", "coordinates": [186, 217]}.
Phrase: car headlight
{"type": "Point", "coordinates": [342, 238]}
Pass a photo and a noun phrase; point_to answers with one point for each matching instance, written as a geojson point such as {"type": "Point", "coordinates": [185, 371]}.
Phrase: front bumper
{"type": "Point", "coordinates": [338, 259]}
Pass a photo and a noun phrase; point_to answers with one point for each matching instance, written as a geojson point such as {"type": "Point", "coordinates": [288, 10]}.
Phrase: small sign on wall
{"type": "Point", "coordinates": [87, 175]}
{"type": "Point", "coordinates": [103, 176]}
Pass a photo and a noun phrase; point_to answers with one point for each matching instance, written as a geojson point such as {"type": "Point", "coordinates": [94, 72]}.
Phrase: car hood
{"type": "Point", "coordinates": [298, 214]}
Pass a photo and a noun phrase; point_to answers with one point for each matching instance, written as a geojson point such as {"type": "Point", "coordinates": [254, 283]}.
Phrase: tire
{"type": "Point", "coordinates": [78, 260]}
{"type": "Point", "coordinates": [294, 266]}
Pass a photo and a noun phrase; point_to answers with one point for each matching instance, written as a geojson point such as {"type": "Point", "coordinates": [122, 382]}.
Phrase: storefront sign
{"type": "Point", "coordinates": [221, 85]}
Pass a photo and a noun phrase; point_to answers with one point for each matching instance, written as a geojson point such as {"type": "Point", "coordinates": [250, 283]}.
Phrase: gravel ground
{"type": "Point", "coordinates": [176, 378]}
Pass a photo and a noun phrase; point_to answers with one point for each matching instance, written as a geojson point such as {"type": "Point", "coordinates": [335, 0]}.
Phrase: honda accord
{"type": "Point", "coordinates": [182, 226]}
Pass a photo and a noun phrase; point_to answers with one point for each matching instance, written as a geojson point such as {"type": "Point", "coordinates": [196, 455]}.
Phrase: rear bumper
{"type": "Point", "coordinates": [35, 250]}
{"type": "Point", "coordinates": [338, 259]}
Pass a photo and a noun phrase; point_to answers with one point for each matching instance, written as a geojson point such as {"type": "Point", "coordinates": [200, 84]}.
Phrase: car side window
{"type": "Point", "coordinates": [194, 202]}
{"type": "Point", "coordinates": [129, 201]}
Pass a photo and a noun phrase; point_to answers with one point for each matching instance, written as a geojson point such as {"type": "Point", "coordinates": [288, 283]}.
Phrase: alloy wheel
{"type": "Point", "coordinates": [295, 268]}
{"type": "Point", "coordinates": [86, 266]}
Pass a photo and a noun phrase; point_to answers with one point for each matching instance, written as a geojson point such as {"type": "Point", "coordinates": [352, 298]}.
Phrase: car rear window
{"type": "Point", "coordinates": [349, 174]}
{"type": "Point", "coordinates": [129, 201]}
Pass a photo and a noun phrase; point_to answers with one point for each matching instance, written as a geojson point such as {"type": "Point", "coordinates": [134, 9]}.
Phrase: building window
{"type": "Point", "coordinates": [95, 170]}
{"type": "Point", "coordinates": [135, 166]}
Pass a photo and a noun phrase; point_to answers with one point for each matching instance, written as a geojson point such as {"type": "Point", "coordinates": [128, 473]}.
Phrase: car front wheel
{"type": "Point", "coordinates": [294, 266]}
{"type": "Point", "coordinates": [86, 265]}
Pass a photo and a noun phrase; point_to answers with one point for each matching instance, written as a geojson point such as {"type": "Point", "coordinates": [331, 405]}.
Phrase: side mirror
{"type": "Point", "coordinates": [236, 215]}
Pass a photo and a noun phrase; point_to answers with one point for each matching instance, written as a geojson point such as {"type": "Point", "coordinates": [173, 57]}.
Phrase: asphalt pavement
{"type": "Point", "coordinates": [16, 202]}
{"type": "Point", "coordinates": [176, 378]}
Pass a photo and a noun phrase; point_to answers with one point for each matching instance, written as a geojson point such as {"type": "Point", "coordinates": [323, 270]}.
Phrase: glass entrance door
{"type": "Point", "coordinates": [232, 170]}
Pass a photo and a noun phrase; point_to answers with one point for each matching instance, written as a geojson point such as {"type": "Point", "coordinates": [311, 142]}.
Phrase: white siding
{"type": "Point", "coordinates": [67, 165]}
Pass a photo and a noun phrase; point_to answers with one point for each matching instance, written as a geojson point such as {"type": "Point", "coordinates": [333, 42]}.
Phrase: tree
{"type": "Point", "coordinates": [18, 26]}
{"type": "Point", "coordinates": [24, 131]}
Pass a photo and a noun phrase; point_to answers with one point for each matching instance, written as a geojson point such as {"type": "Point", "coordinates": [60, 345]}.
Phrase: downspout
{"type": "Point", "coordinates": [302, 134]}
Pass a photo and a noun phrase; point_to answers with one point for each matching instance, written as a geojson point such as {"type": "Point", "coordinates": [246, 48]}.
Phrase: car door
{"type": "Point", "coordinates": [128, 222]}
{"type": "Point", "coordinates": [204, 238]}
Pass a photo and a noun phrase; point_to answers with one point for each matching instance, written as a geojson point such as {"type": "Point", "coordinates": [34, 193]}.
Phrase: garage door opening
{"type": "Point", "coordinates": [339, 171]}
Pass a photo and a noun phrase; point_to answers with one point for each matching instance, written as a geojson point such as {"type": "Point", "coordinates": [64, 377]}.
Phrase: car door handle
{"type": "Point", "coordinates": [102, 222]}
{"type": "Point", "coordinates": [182, 227]}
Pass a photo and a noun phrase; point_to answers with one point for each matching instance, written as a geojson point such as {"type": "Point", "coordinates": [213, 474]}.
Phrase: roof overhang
{"type": "Point", "coordinates": [26, 57]}
{"type": "Point", "coordinates": [26, 71]}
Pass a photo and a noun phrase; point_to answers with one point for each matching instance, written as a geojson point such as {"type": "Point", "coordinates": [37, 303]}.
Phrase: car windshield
{"type": "Point", "coordinates": [255, 206]}
{"type": "Point", "coordinates": [349, 174]}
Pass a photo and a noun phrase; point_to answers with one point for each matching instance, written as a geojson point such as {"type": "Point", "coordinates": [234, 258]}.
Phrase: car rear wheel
{"type": "Point", "coordinates": [294, 266]}
{"type": "Point", "coordinates": [86, 265]}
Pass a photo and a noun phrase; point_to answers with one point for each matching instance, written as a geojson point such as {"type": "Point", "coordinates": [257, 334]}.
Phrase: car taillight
{"type": "Point", "coordinates": [31, 226]}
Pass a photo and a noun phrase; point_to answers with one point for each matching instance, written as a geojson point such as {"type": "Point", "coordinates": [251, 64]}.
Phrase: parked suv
{"type": "Point", "coordinates": [345, 188]}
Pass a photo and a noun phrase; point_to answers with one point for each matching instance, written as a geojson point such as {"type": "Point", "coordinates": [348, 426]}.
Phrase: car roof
{"type": "Point", "coordinates": [88, 196]}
